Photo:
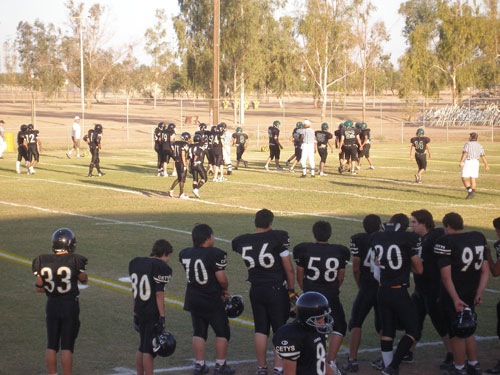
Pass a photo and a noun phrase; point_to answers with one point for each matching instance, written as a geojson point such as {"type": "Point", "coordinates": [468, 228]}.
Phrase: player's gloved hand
{"type": "Point", "coordinates": [160, 324]}
{"type": "Point", "coordinates": [136, 323]}
{"type": "Point", "coordinates": [294, 296]}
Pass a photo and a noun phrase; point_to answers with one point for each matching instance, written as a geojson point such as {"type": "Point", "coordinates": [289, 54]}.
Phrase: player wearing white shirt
{"type": "Point", "coordinates": [226, 148]}
{"type": "Point", "coordinates": [308, 147]}
{"type": "Point", "coordinates": [75, 137]}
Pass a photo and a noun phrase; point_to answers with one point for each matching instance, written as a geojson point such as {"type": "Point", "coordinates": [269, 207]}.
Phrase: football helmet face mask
{"type": "Point", "coordinates": [465, 323]}
{"type": "Point", "coordinates": [324, 126]}
{"type": "Point", "coordinates": [171, 126]}
{"type": "Point", "coordinates": [219, 128]}
{"type": "Point", "coordinates": [185, 137]}
{"type": "Point", "coordinates": [161, 125]}
{"type": "Point", "coordinates": [239, 130]}
{"type": "Point", "coordinates": [98, 128]}
{"type": "Point", "coordinates": [197, 138]}
{"type": "Point", "coordinates": [223, 125]}
{"type": "Point", "coordinates": [63, 239]}
{"type": "Point", "coordinates": [202, 126]}
{"type": "Point", "coordinates": [234, 306]}
{"type": "Point", "coordinates": [276, 124]}
{"type": "Point", "coordinates": [311, 308]}
{"type": "Point", "coordinates": [30, 127]}
{"type": "Point", "coordinates": [164, 344]}
{"type": "Point", "coordinates": [420, 132]}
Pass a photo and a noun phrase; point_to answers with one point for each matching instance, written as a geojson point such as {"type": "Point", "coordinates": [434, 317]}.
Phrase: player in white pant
{"type": "Point", "coordinates": [308, 149]}
{"type": "Point", "coordinates": [3, 144]}
{"type": "Point", "coordinates": [226, 148]}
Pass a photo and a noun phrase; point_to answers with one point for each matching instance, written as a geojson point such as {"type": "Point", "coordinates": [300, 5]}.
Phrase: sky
{"type": "Point", "coordinates": [128, 20]}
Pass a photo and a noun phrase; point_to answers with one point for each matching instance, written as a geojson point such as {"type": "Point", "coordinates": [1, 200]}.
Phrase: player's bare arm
{"type": "Point", "coordinates": [483, 282]}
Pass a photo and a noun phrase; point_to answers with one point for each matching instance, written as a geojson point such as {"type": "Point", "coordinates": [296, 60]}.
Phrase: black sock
{"type": "Point", "coordinates": [403, 347]}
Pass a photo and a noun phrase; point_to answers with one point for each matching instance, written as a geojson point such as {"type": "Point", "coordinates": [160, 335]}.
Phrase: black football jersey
{"type": "Point", "coordinates": [394, 251]}
{"type": "Point", "coordinates": [419, 143]}
{"type": "Point", "coordinates": [322, 137]}
{"type": "Point", "coordinates": [273, 132]}
{"type": "Point", "coordinates": [240, 139]}
{"type": "Point", "coordinates": [431, 275]}
{"type": "Point", "coordinates": [199, 153]}
{"type": "Point", "coordinates": [217, 141]}
{"type": "Point", "coordinates": [296, 137]}
{"type": "Point", "coordinates": [350, 136]}
{"type": "Point", "coordinates": [262, 254]}
{"type": "Point", "coordinates": [200, 265]}
{"type": "Point", "coordinates": [365, 134]}
{"type": "Point", "coordinates": [338, 134]}
{"type": "Point", "coordinates": [21, 136]}
{"type": "Point", "coordinates": [496, 246]}
{"type": "Point", "coordinates": [166, 138]}
{"type": "Point", "coordinates": [360, 248]}
{"type": "Point", "coordinates": [304, 345]}
{"type": "Point", "coordinates": [321, 264]}
{"type": "Point", "coordinates": [178, 149]}
{"type": "Point", "coordinates": [59, 273]}
{"type": "Point", "coordinates": [157, 137]}
{"type": "Point", "coordinates": [464, 252]}
{"type": "Point", "coordinates": [148, 276]}
{"type": "Point", "coordinates": [94, 138]}
{"type": "Point", "coordinates": [31, 138]}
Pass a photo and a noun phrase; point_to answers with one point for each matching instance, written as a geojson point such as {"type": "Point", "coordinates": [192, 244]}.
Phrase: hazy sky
{"type": "Point", "coordinates": [128, 20]}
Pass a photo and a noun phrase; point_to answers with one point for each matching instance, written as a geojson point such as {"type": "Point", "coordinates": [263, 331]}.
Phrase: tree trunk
{"type": "Point", "coordinates": [235, 102]}
{"type": "Point", "coordinates": [363, 104]}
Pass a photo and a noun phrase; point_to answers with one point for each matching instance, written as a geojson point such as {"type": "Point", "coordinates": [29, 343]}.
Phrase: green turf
{"type": "Point", "coordinates": [120, 215]}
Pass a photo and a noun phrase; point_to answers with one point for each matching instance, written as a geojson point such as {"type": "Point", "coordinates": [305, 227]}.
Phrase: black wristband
{"type": "Point", "coordinates": [291, 290]}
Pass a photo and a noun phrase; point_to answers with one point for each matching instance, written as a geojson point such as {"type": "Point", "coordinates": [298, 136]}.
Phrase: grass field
{"type": "Point", "coordinates": [120, 215]}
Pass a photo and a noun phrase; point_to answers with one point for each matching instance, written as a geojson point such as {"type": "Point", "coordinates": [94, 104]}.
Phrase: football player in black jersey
{"type": "Point", "coordinates": [158, 147]}
{"type": "Point", "coordinates": [167, 141]}
{"type": "Point", "coordinates": [296, 138]}
{"type": "Point", "coordinates": [275, 146]}
{"type": "Point", "coordinates": [350, 140]}
{"type": "Point", "coordinates": [217, 139]}
{"type": "Point", "coordinates": [94, 141]}
{"type": "Point", "coordinates": [34, 147]}
{"type": "Point", "coordinates": [396, 255]}
{"type": "Point", "coordinates": [198, 151]}
{"type": "Point", "coordinates": [365, 139]}
{"type": "Point", "coordinates": [321, 268]}
{"type": "Point", "coordinates": [180, 155]}
{"type": "Point", "coordinates": [362, 269]}
{"type": "Point", "coordinates": [57, 275]}
{"type": "Point", "coordinates": [323, 138]}
{"type": "Point", "coordinates": [464, 275]}
{"type": "Point", "coordinates": [148, 276]}
{"type": "Point", "coordinates": [22, 148]}
{"type": "Point", "coordinates": [271, 277]}
{"type": "Point", "coordinates": [302, 343]}
{"type": "Point", "coordinates": [495, 271]}
{"type": "Point", "coordinates": [338, 136]}
{"type": "Point", "coordinates": [240, 139]}
{"type": "Point", "coordinates": [207, 288]}
{"type": "Point", "coordinates": [421, 145]}
{"type": "Point", "coordinates": [426, 294]}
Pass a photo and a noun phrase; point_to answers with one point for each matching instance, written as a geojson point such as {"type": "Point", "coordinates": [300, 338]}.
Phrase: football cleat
{"type": "Point", "coordinates": [277, 372]}
{"type": "Point", "coordinates": [494, 370]}
{"type": "Point", "coordinates": [340, 170]}
{"type": "Point", "coordinates": [408, 358]}
{"type": "Point", "coordinates": [170, 193]}
{"type": "Point", "coordinates": [196, 193]}
{"type": "Point", "coordinates": [351, 366]}
{"type": "Point", "coordinates": [473, 369]}
{"type": "Point", "coordinates": [322, 174]}
{"type": "Point", "coordinates": [378, 364]}
{"type": "Point", "coordinates": [353, 172]}
{"type": "Point", "coordinates": [292, 170]}
{"type": "Point", "coordinates": [68, 155]}
{"type": "Point", "coordinates": [223, 369]}
{"type": "Point", "coordinates": [470, 195]}
{"type": "Point", "coordinates": [303, 176]}
{"type": "Point", "coordinates": [416, 178]}
{"type": "Point", "coordinates": [454, 371]}
{"type": "Point", "coordinates": [358, 167]}
{"type": "Point", "coordinates": [200, 370]}
{"type": "Point", "coordinates": [372, 167]}
{"type": "Point", "coordinates": [183, 196]}
{"type": "Point", "coordinates": [101, 174]}
{"type": "Point", "coordinates": [174, 173]}
{"type": "Point", "coordinates": [390, 371]}
{"type": "Point", "coordinates": [266, 167]}
{"type": "Point", "coordinates": [313, 176]}
{"type": "Point", "coordinates": [261, 370]}
{"type": "Point", "coordinates": [279, 168]}
{"type": "Point", "coordinates": [448, 362]}
{"type": "Point", "coordinates": [335, 368]}
{"type": "Point", "coordinates": [246, 163]}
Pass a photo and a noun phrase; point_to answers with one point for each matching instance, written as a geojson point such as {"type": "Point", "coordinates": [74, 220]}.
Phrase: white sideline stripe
{"type": "Point", "coordinates": [492, 291]}
{"type": "Point", "coordinates": [435, 204]}
{"type": "Point", "coordinates": [127, 371]}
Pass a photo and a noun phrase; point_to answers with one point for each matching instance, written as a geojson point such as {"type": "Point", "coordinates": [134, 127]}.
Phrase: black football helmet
{"type": "Point", "coordinates": [98, 128]}
{"type": "Point", "coordinates": [202, 126]}
{"type": "Point", "coordinates": [161, 125]}
{"type": "Point", "coordinates": [234, 306]}
{"type": "Point", "coordinates": [63, 239]}
{"type": "Point", "coordinates": [213, 128]}
{"type": "Point", "coordinates": [312, 306]}
{"type": "Point", "coordinates": [197, 138]}
{"type": "Point", "coordinates": [23, 127]}
{"type": "Point", "coordinates": [171, 126]}
{"type": "Point", "coordinates": [30, 127]}
{"type": "Point", "coordinates": [223, 125]}
{"type": "Point", "coordinates": [465, 323]}
{"type": "Point", "coordinates": [164, 344]}
{"type": "Point", "coordinates": [185, 136]}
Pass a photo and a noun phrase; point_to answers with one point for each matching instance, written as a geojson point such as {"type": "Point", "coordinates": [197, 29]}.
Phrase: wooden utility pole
{"type": "Point", "coordinates": [215, 96]}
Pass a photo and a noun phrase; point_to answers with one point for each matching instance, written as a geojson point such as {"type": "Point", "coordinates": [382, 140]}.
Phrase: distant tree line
{"type": "Point", "coordinates": [326, 47]}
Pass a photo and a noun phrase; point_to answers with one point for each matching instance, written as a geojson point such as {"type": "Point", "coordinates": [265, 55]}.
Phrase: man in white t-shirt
{"type": "Point", "coordinates": [308, 147]}
{"type": "Point", "coordinates": [3, 143]}
{"type": "Point", "coordinates": [75, 137]}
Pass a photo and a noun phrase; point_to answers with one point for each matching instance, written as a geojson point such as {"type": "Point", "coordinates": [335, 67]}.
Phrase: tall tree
{"type": "Point", "coordinates": [10, 64]}
{"type": "Point", "coordinates": [157, 46]}
{"type": "Point", "coordinates": [37, 46]}
{"type": "Point", "coordinates": [98, 58]}
{"type": "Point", "coordinates": [369, 43]}
{"type": "Point", "coordinates": [324, 30]}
